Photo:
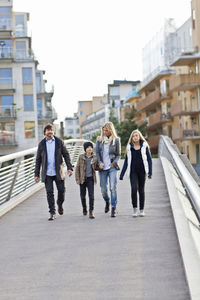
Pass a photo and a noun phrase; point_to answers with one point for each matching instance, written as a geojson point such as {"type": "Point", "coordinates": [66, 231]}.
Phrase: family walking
{"type": "Point", "coordinates": [137, 164]}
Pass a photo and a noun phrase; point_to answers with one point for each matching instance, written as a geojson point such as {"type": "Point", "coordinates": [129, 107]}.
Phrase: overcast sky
{"type": "Point", "coordinates": [85, 44]}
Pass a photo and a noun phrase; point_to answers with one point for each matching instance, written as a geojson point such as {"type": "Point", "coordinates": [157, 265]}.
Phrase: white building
{"type": "Point", "coordinates": [92, 125]}
{"type": "Point", "coordinates": [72, 127]}
{"type": "Point", "coordinates": [25, 105]}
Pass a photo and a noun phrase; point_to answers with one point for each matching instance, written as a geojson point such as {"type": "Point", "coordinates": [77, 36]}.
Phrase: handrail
{"type": "Point", "coordinates": [171, 152]}
{"type": "Point", "coordinates": [17, 172]}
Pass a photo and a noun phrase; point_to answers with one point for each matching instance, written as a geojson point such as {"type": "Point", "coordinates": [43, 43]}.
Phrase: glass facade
{"type": "Point", "coordinates": [27, 75]}
{"type": "Point", "coordinates": [38, 82]}
{"type": "Point", "coordinates": [19, 25]}
{"type": "Point", "coordinates": [28, 103]}
{"type": "Point", "coordinates": [5, 76]}
{"type": "Point", "coordinates": [39, 107]}
{"type": "Point", "coordinates": [5, 18]}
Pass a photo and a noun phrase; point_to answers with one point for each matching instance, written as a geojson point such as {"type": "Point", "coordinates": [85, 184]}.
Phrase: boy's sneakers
{"type": "Point", "coordinates": [142, 214]}
{"type": "Point", "coordinates": [135, 213]}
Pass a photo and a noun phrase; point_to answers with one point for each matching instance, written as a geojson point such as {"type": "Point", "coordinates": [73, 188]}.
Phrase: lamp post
{"type": "Point", "coordinates": [2, 44]}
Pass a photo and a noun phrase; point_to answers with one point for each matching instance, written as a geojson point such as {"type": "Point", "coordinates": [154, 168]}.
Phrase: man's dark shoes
{"type": "Point", "coordinates": [107, 207]}
{"type": "Point", "coordinates": [113, 212]}
{"type": "Point", "coordinates": [60, 209]}
{"type": "Point", "coordinates": [52, 217]}
{"type": "Point", "coordinates": [91, 214]}
{"type": "Point", "coordinates": [85, 211]}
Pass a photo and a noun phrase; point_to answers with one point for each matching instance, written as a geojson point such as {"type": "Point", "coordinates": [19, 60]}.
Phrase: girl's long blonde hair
{"type": "Point", "coordinates": [130, 141]}
{"type": "Point", "coordinates": [111, 129]}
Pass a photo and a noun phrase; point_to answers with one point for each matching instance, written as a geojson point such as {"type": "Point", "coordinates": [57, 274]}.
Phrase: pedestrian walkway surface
{"type": "Point", "coordinates": [74, 257]}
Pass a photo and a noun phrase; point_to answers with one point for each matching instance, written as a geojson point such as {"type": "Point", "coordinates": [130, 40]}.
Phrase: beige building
{"type": "Point", "coordinates": [25, 105]}
{"type": "Point", "coordinates": [170, 100]}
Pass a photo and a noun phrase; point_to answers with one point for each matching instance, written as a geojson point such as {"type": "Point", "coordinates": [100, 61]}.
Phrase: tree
{"type": "Point", "coordinates": [124, 128]}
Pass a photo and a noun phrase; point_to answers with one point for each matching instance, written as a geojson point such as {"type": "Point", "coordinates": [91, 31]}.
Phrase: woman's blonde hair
{"type": "Point", "coordinates": [130, 141]}
{"type": "Point", "coordinates": [111, 129]}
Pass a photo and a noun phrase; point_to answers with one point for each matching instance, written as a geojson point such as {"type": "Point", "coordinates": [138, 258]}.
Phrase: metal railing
{"type": "Point", "coordinates": [17, 169]}
{"type": "Point", "coordinates": [186, 174]}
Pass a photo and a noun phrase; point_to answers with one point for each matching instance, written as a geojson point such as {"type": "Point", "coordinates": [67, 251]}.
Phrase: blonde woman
{"type": "Point", "coordinates": [108, 150]}
{"type": "Point", "coordinates": [138, 161]}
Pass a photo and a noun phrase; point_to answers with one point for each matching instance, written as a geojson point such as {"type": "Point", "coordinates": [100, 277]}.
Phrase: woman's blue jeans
{"type": "Point", "coordinates": [112, 175]}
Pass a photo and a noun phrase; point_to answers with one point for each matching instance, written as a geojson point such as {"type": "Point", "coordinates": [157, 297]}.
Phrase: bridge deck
{"type": "Point", "coordinates": [74, 257]}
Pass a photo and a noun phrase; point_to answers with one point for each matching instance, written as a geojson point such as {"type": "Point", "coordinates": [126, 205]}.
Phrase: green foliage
{"type": "Point", "coordinates": [67, 137]}
{"type": "Point", "coordinates": [124, 128]}
{"type": "Point", "coordinates": [93, 139]}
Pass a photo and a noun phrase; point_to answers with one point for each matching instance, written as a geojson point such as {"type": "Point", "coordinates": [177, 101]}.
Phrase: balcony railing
{"type": "Point", "coordinates": [7, 53]}
{"type": "Point", "coordinates": [48, 115]}
{"type": "Point", "coordinates": [184, 82]}
{"type": "Point", "coordinates": [149, 101]}
{"type": "Point", "coordinates": [7, 112]}
{"type": "Point", "coordinates": [7, 138]}
{"type": "Point", "coordinates": [183, 134]}
{"type": "Point", "coordinates": [158, 118]}
{"type": "Point", "coordinates": [178, 109]}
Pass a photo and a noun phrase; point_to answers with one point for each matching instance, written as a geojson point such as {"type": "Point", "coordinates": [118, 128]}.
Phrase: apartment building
{"type": "Point", "coordinates": [25, 105]}
{"type": "Point", "coordinates": [117, 93]}
{"type": "Point", "coordinates": [170, 100]}
{"type": "Point", "coordinates": [72, 127]}
{"type": "Point", "coordinates": [92, 115]}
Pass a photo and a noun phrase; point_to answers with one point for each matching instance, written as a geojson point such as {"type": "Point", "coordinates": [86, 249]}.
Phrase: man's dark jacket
{"type": "Point", "coordinates": [60, 153]}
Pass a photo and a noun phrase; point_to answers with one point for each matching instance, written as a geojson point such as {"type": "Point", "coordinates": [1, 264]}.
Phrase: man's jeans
{"type": "Point", "coordinates": [112, 175]}
{"type": "Point", "coordinates": [50, 192]}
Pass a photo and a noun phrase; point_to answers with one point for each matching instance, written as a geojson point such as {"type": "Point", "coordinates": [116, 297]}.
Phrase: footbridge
{"type": "Point", "coordinates": [156, 257]}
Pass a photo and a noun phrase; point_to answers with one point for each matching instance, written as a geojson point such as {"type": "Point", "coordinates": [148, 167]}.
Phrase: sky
{"type": "Point", "coordinates": [83, 45]}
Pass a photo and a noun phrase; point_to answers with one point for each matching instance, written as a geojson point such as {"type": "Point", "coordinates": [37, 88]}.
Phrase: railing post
{"type": "Point", "coordinates": [13, 182]}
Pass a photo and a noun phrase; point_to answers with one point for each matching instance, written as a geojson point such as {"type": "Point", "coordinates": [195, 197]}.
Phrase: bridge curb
{"type": "Point", "coordinates": [188, 249]}
{"type": "Point", "coordinates": [13, 202]}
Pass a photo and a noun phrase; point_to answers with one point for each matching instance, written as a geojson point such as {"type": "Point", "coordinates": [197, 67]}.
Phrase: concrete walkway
{"type": "Point", "coordinates": [74, 257]}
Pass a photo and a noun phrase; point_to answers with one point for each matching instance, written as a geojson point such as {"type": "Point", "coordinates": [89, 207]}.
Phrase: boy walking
{"type": "Point", "coordinates": [86, 177]}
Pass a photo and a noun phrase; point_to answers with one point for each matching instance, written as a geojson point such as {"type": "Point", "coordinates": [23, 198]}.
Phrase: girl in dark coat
{"type": "Point", "coordinates": [138, 163]}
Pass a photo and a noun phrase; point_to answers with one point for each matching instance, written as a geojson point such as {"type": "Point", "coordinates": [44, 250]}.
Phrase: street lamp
{"type": "Point", "coordinates": [2, 44]}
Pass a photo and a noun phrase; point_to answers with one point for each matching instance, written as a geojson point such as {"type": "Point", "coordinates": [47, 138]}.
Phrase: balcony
{"type": "Point", "coordinates": [185, 134]}
{"type": "Point", "coordinates": [48, 116]}
{"type": "Point", "coordinates": [184, 82]}
{"type": "Point", "coordinates": [8, 55]}
{"type": "Point", "coordinates": [158, 118]}
{"type": "Point", "coordinates": [7, 113]}
{"type": "Point", "coordinates": [149, 101]}
{"type": "Point", "coordinates": [153, 142]}
{"type": "Point", "coordinates": [7, 138]}
{"type": "Point", "coordinates": [177, 109]}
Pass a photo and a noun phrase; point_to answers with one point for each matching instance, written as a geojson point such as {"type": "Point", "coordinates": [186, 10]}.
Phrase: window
{"type": "Point", "coordinates": [21, 50]}
{"type": "Point", "coordinates": [81, 113]}
{"type": "Point", "coordinates": [7, 133]}
{"type": "Point", "coordinates": [80, 104]}
{"type": "Point", "coordinates": [38, 82]}
{"type": "Point", "coordinates": [39, 107]}
{"type": "Point", "coordinates": [69, 122]}
{"type": "Point", "coordinates": [28, 102]}
{"type": "Point", "coordinates": [6, 103]}
{"type": "Point", "coordinates": [70, 131]}
{"type": "Point", "coordinates": [29, 129]}
{"type": "Point", "coordinates": [27, 75]}
{"type": "Point", "coordinates": [5, 76]}
{"type": "Point", "coordinates": [5, 48]}
{"type": "Point", "coordinates": [19, 25]}
{"type": "Point", "coordinates": [4, 17]}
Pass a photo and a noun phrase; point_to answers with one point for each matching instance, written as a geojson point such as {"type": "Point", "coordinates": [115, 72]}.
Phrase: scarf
{"type": "Point", "coordinates": [108, 140]}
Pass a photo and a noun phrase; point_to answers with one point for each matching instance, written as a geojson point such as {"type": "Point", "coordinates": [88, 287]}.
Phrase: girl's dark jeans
{"type": "Point", "coordinates": [137, 179]}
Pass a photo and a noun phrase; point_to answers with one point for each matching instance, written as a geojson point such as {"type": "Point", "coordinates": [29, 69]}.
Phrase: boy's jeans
{"type": "Point", "coordinates": [112, 175]}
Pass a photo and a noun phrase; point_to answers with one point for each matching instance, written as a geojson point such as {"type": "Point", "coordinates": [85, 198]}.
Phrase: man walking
{"type": "Point", "coordinates": [50, 154]}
